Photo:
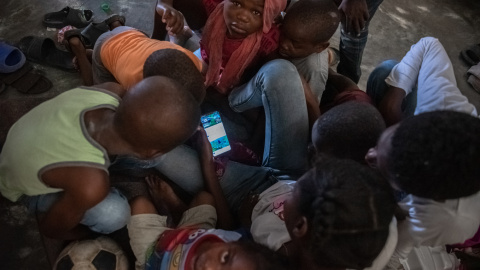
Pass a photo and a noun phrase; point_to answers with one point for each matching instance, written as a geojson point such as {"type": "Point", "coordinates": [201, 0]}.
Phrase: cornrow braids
{"type": "Point", "coordinates": [349, 208]}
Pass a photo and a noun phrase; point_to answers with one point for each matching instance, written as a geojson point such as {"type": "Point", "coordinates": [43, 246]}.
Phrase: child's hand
{"type": "Point", "coordinates": [172, 18]}
{"type": "Point", "coordinates": [203, 146]}
{"type": "Point", "coordinates": [355, 15]}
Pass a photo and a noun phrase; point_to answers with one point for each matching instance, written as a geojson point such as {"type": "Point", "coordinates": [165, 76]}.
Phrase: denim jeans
{"type": "Point", "coordinates": [109, 215]}
{"type": "Point", "coordinates": [278, 88]}
{"type": "Point", "coordinates": [351, 46]}
{"type": "Point", "coordinates": [376, 87]}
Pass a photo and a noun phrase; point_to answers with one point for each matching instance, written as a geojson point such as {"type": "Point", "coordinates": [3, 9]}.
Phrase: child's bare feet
{"type": "Point", "coordinates": [181, 38]}
{"type": "Point", "coordinates": [164, 198]}
{"type": "Point", "coordinates": [75, 45]}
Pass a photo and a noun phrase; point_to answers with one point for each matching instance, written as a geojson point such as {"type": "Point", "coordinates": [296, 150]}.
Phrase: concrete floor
{"type": "Point", "coordinates": [396, 26]}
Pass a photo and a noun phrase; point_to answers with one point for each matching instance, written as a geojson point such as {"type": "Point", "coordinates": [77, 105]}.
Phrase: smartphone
{"type": "Point", "coordinates": [212, 123]}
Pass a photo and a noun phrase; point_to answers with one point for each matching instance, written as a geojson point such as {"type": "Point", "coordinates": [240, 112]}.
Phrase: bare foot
{"type": "Point", "coordinates": [164, 198]}
{"type": "Point", "coordinates": [75, 45]}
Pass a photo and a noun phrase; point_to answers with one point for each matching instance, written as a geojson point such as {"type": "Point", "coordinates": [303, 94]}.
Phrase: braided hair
{"type": "Point", "coordinates": [348, 208]}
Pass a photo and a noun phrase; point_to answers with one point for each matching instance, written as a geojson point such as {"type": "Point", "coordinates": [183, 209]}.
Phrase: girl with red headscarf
{"type": "Point", "coordinates": [237, 33]}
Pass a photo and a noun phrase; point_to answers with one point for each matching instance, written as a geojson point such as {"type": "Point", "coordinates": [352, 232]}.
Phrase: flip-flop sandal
{"type": "Point", "coordinates": [11, 58]}
{"type": "Point", "coordinates": [471, 56]}
{"type": "Point", "coordinates": [68, 16]}
{"type": "Point", "coordinates": [27, 80]}
{"type": "Point", "coordinates": [113, 18]}
{"type": "Point", "coordinates": [43, 51]}
{"type": "Point", "coordinates": [91, 33]}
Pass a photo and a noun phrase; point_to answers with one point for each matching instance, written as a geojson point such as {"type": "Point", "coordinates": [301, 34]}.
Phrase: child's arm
{"type": "Point", "coordinates": [355, 15]}
{"type": "Point", "coordinates": [339, 81]}
{"type": "Point", "coordinates": [171, 17]}
{"type": "Point", "coordinates": [313, 107]}
{"type": "Point", "coordinates": [225, 219]}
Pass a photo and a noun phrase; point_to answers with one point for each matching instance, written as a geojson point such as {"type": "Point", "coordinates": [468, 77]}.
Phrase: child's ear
{"type": "Point", "coordinates": [300, 228]}
{"type": "Point", "coordinates": [321, 46]}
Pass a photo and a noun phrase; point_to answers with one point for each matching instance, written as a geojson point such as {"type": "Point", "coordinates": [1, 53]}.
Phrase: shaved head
{"type": "Point", "coordinates": [157, 114]}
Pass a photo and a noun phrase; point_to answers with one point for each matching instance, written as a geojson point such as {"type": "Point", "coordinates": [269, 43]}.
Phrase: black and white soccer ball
{"type": "Point", "coordinates": [97, 254]}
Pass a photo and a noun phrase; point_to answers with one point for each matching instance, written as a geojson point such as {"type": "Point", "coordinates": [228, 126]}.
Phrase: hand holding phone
{"type": "Point", "coordinates": [213, 125]}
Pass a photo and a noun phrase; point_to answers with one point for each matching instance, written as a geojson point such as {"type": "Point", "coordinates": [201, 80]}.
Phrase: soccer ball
{"type": "Point", "coordinates": [101, 253]}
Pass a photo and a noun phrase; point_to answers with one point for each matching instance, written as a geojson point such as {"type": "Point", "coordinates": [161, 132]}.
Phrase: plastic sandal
{"type": "Point", "coordinates": [11, 58]}
{"type": "Point", "coordinates": [43, 51]}
{"type": "Point", "coordinates": [114, 18]}
{"type": "Point", "coordinates": [27, 80]}
{"type": "Point", "coordinates": [471, 56]}
{"type": "Point", "coordinates": [68, 16]}
{"type": "Point", "coordinates": [91, 33]}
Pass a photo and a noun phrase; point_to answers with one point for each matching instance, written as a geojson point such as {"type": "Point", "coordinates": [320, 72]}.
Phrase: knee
{"type": "Point", "coordinates": [279, 72]}
{"type": "Point", "coordinates": [383, 70]}
{"type": "Point", "coordinates": [278, 67]}
{"type": "Point", "coordinates": [111, 214]}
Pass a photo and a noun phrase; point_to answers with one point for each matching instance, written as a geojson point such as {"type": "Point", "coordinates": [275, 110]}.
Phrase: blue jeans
{"type": "Point", "coordinates": [376, 87]}
{"type": "Point", "coordinates": [109, 215]}
{"type": "Point", "coordinates": [278, 88]}
{"type": "Point", "coordinates": [351, 46]}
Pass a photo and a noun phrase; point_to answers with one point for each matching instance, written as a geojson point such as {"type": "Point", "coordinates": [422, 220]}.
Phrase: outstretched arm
{"type": "Point", "coordinates": [83, 188]}
{"type": "Point", "coordinates": [173, 18]}
{"type": "Point", "coordinates": [225, 219]}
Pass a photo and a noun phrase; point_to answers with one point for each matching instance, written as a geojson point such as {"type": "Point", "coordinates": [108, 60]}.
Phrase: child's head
{"type": "Point", "coordinates": [307, 28]}
{"type": "Point", "coordinates": [433, 155]}
{"type": "Point", "coordinates": [176, 65]}
{"type": "Point", "coordinates": [339, 214]}
{"type": "Point", "coordinates": [155, 115]}
{"type": "Point", "coordinates": [240, 255]}
{"type": "Point", "coordinates": [245, 17]}
{"type": "Point", "coordinates": [348, 130]}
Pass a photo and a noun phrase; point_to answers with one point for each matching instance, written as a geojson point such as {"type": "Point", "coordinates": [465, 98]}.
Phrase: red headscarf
{"type": "Point", "coordinates": [214, 35]}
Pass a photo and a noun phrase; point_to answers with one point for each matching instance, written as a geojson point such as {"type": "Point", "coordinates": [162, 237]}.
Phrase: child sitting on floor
{"type": "Point", "coordinates": [434, 158]}
{"type": "Point", "coordinates": [338, 216]}
{"type": "Point", "coordinates": [237, 33]}
{"type": "Point", "coordinates": [194, 244]}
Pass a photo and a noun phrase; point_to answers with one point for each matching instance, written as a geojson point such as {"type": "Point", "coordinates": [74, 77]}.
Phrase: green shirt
{"type": "Point", "coordinates": [52, 135]}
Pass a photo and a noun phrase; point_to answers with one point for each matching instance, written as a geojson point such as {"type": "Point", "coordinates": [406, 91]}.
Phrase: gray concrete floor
{"type": "Point", "coordinates": [396, 26]}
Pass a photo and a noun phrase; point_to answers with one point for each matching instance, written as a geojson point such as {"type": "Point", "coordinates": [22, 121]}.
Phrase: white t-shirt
{"type": "Point", "coordinates": [428, 67]}
{"type": "Point", "coordinates": [432, 223]}
{"type": "Point", "coordinates": [314, 68]}
{"type": "Point", "coordinates": [268, 225]}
